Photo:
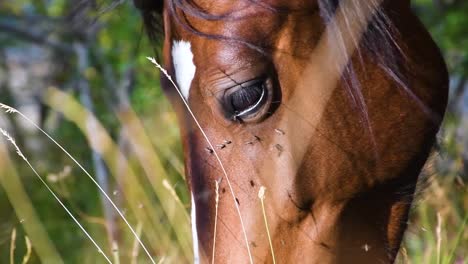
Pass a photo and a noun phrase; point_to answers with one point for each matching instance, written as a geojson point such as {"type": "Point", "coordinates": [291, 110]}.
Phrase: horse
{"type": "Point", "coordinates": [327, 109]}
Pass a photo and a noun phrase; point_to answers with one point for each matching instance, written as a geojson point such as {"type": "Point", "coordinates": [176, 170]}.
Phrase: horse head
{"type": "Point", "coordinates": [328, 107]}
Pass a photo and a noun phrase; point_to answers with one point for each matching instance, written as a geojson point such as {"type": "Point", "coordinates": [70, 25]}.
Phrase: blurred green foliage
{"type": "Point", "coordinates": [447, 22]}
{"type": "Point", "coordinates": [117, 45]}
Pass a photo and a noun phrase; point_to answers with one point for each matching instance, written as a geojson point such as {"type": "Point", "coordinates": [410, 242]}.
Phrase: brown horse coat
{"type": "Point", "coordinates": [333, 106]}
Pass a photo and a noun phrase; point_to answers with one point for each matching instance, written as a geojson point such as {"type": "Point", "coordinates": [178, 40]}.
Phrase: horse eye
{"type": "Point", "coordinates": [246, 100]}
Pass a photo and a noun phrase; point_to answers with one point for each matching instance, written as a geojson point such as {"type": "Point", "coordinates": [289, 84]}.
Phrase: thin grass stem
{"type": "Point", "coordinates": [27, 256]}
{"type": "Point", "coordinates": [12, 246]}
{"type": "Point", "coordinates": [135, 248]}
{"type": "Point", "coordinates": [9, 109]}
{"type": "Point", "coordinates": [152, 60]}
{"type": "Point", "coordinates": [20, 153]}
{"type": "Point", "coordinates": [161, 261]}
{"type": "Point", "coordinates": [216, 220]}
{"type": "Point", "coordinates": [458, 240]}
{"type": "Point", "coordinates": [439, 237]}
{"type": "Point", "coordinates": [261, 195]}
{"type": "Point", "coordinates": [173, 193]}
{"type": "Point", "coordinates": [115, 252]}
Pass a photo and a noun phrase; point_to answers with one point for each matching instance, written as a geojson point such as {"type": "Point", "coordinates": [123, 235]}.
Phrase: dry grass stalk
{"type": "Point", "coordinates": [216, 219]}
{"type": "Point", "coordinates": [24, 209]}
{"type": "Point", "coordinates": [439, 237]}
{"type": "Point", "coordinates": [161, 261]}
{"type": "Point", "coordinates": [261, 195]}
{"type": "Point", "coordinates": [9, 109]}
{"type": "Point", "coordinates": [173, 193]}
{"type": "Point", "coordinates": [115, 252]}
{"type": "Point", "coordinates": [141, 145]}
{"type": "Point", "coordinates": [20, 153]}
{"type": "Point", "coordinates": [27, 256]}
{"type": "Point", "coordinates": [135, 248]}
{"type": "Point", "coordinates": [12, 246]}
{"type": "Point", "coordinates": [152, 60]}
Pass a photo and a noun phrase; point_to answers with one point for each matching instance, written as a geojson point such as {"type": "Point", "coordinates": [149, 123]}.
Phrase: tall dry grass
{"type": "Point", "coordinates": [148, 200]}
{"type": "Point", "coordinates": [149, 190]}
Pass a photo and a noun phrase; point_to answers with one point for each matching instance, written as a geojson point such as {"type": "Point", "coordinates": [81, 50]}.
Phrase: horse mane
{"type": "Point", "coordinates": [378, 42]}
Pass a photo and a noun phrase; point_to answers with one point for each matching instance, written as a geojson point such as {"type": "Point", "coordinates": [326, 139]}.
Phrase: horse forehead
{"type": "Point", "coordinates": [254, 21]}
{"type": "Point", "coordinates": [223, 6]}
{"type": "Point", "coordinates": [251, 22]}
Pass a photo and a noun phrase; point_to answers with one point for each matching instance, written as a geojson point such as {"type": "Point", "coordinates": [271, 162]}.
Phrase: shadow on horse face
{"type": "Point", "coordinates": [333, 106]}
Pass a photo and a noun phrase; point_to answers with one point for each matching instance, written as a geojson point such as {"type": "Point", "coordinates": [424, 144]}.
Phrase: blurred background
{"type": "Point", "coordinates": [78, 70]}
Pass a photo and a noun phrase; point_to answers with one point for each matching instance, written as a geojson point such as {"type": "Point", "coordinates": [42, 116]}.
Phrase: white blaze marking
{"type": "Point", "coordinates": [182, 57]}
{"type": "Point", "coordinates": [193, 216]}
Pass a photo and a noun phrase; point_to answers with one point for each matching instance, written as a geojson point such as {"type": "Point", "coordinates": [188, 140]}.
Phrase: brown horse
{"type": "Point", "coordinates": [331, 105]}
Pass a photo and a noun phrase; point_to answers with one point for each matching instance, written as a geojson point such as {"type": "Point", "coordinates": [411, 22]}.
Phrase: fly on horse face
{"type": "Point", "coordinates": [332, 106]}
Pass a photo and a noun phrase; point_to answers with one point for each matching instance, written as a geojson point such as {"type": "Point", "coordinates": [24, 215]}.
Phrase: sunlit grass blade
{"type": "Point", "coordinates": [10, 109]}
{"type": "Point", "coordinates": [215, 228]}
{"type": "Point", "coordinates": [20, 153]}
{"type": "Point", "coordinates": [157, 175]}
{"type": "Point", "coordinates": [439, 237]}
{"type": "Point", "coordinates": [24, 209]}
{"type": "Point", "coordinates": [115, 252]}
{"type": "Point", "coordinates": [12, 246]}
{"type": "Point", "coordinates": [261, 196]}
{"type": "Point", "coordinates": [138, 199]}
{"type": "Point", "coordinates": [27, 256]}
{"type": "Point", "coordinates": [457, 241]}
{"type": "Point", "coordinates": [135, 247]}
